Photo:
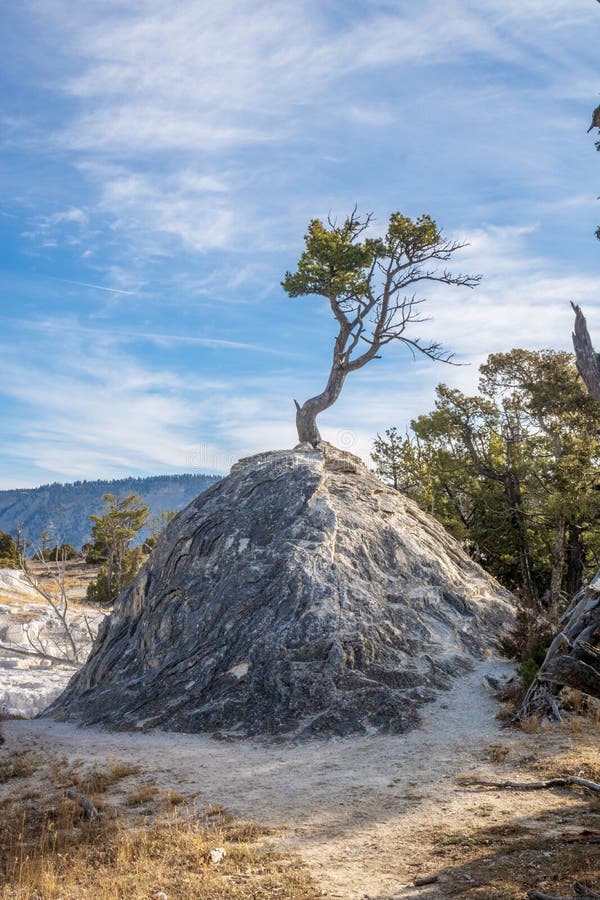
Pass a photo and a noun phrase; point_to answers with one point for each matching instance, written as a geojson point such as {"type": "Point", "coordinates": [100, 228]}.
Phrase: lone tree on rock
{"type": "Point", "coordinates": [366, 280]}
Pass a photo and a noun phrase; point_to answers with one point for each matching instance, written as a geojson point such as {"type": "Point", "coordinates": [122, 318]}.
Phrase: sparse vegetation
{"type": "Point", "coordinates": [18, 764]}
{"type": "Point", "coordinates": [68, 506]}
{"type": "Point", "coordinates": [99, 780]}
{"type": "Point", "coordinates": [503, 852]}
{"type": "Point", "coordinates": [50, 849]}
{"type": "Point", "coordinates": [59, 552]}
{"type": "Point", "coordinates": [158, 523]}
{"type": "Point", "coordinates": [60, 642]}
{"type": "Point", "coordinates": [141, 795]}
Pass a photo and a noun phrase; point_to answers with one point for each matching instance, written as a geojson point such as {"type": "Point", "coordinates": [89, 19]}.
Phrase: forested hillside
{"type": "Point", "coordinates": [65, 508]}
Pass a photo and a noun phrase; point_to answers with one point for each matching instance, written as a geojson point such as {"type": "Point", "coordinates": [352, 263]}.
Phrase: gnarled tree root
{"type": "Point", "coordinates": [581, 893]}
{"type": "Point", "coordinates": [572, 660]}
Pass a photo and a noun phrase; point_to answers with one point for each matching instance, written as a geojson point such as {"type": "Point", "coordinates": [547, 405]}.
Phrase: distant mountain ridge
{"type": "Point", "coordinates": [66, 508]}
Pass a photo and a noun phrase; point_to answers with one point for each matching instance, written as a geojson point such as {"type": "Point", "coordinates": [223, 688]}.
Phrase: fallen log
{"type": "Point", "coordinates": [581, 891]}
{"type": "Point", "coordinates": [559, 781]}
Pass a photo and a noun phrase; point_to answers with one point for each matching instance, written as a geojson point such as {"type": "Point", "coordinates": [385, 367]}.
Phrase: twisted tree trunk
{"type": "Point", "coordinates": [306, 415]}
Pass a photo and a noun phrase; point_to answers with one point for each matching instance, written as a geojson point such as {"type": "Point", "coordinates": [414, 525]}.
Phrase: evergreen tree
{"type": "Point", "coordinates": [513, 472]}
{"type": "Point", "coordinates": [9, 557]}
{"type": "Point", "coordinates": [113, 530]}
{"type": "Point", "coordinates": [387, 455]}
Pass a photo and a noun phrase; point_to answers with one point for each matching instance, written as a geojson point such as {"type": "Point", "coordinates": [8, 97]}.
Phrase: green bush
{"type": "Point", "coordinates": [9, 558]}
{"type": "Point", "coordinates": [527, 672]}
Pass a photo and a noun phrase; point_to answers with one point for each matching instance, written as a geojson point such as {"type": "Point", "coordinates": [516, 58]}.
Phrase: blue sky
{"type": "Point", "coordinates": [160, 164]}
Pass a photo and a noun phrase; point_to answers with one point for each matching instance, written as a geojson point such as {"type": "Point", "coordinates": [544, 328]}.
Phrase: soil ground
{"type": "Point", "coordinates": [369, 815]}
{"type": "Point", "coordinates": [78, 574]}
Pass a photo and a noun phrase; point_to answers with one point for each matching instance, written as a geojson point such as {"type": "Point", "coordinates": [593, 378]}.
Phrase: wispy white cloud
{"type": "Point", "coordinates": [169, 100]}
{"type": "Point", "coordinates": [195, 141]}
{"type": "Point", "coordinates": [68, 215]}
{"type": "Point", "coordinates": [378, 115]}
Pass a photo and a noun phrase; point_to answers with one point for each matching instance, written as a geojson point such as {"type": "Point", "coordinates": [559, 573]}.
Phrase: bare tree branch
{"type": "Point", "coordinates": [19, 651]}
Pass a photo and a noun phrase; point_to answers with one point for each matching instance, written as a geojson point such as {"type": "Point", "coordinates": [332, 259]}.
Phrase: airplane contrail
{"type": "Point", "coordinates": [99, 287]}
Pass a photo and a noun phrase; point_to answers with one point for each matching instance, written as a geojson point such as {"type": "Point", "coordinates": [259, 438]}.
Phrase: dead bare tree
{"type": "Point", "coordinates": [58, 646]}
{"type": "Point", "coordinates": [365, 280]}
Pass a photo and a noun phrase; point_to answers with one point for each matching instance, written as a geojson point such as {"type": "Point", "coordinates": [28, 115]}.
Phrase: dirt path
{"type": "Point", "coordinates": [359, 810]}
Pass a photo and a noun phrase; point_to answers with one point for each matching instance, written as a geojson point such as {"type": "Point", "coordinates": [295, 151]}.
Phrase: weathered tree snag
{"type": "Point", "coordinates": [588, 361]}
{"type": "Point", "coordinates": [573, 658]}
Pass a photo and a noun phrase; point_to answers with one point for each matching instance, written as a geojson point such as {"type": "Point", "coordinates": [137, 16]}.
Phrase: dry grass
{"type": "Point", "coordinates": [50, 850]}
{"type": "Point", "coordinates": [18, 764]}
{"type": "Point", "coordinates": [498, 753]}
{"type": "Point", "coordinates": [173, 798]}
{"type": "Point", "coordinates": [98, 781]}
{"type": "Point", "coordinates": [581, 756]}
{"type": "Point", "coordinates": [141, 795]}
{"type": "Point", "coordinates": [77, 575]}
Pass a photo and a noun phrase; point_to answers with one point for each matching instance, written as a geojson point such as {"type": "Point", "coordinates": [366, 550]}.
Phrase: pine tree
{"type": "Point", "coordinates": [113, 530]}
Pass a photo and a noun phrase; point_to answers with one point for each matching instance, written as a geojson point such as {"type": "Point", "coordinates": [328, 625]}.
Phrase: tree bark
{"type": "Point", "coordinates": [558, 559]}
{"type": "Point", "coordinates": [575, 560]}
{"type": "Point", "coordinates": [306, 415]}
{"type": "Point", "coordinates": [514, 495]}
{"type": "Point", "coordinates": [588, 361]}
{"type": "Point", "coordinates": [573, 657]}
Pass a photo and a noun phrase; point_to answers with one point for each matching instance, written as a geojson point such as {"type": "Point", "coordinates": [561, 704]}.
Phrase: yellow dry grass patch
{"type": "Point", "coordinates": [18, 764]}
{"type": "Point", "coordinates": [50, 850]}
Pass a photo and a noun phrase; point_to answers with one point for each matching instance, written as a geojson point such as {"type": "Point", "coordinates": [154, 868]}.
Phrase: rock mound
{"type": "Point", "coordinates": [300, 595]}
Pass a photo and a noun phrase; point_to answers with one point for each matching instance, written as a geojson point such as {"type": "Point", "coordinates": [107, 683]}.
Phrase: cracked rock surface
{"type": "Point", "coordinates": [298, 596]}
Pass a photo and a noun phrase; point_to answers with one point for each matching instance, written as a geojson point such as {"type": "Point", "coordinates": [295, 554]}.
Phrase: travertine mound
{"type": "Point", "coordinates": [300, 595]}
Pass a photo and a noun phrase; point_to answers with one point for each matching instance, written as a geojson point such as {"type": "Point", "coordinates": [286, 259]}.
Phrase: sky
{"type": "Point", "coordinates": [160, 164]}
